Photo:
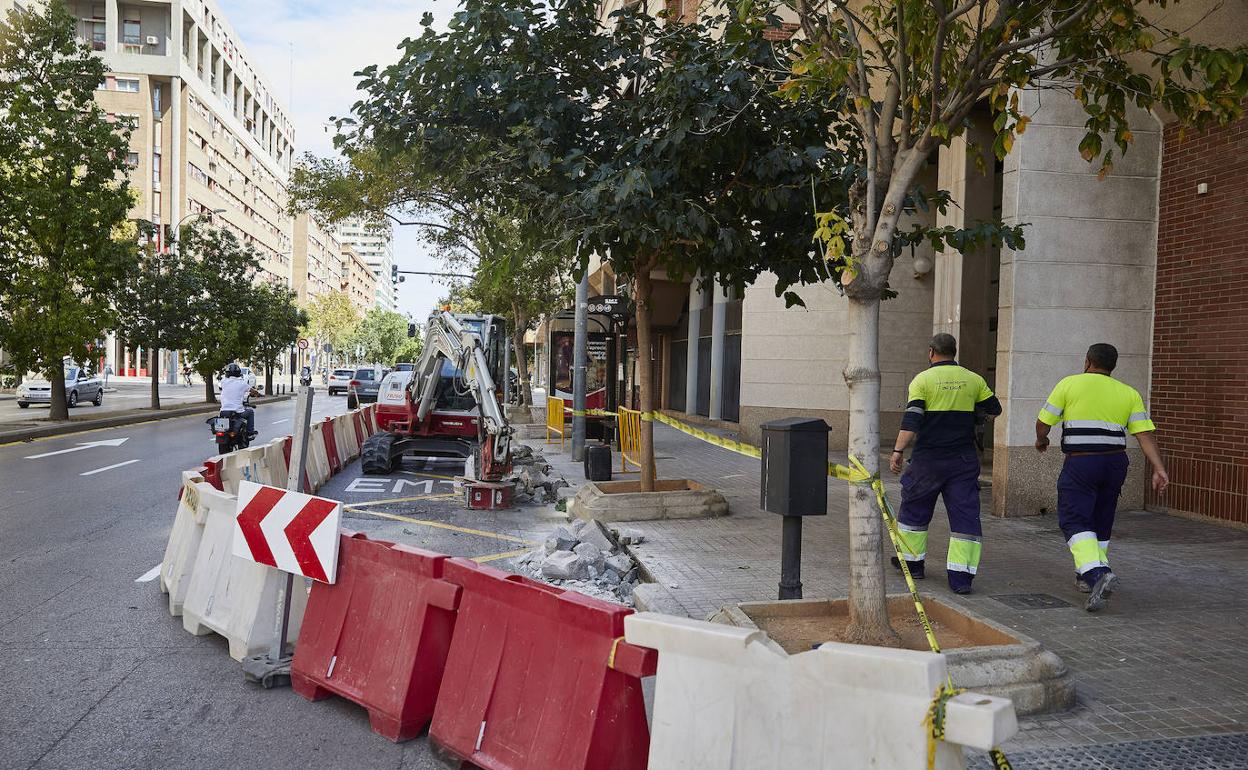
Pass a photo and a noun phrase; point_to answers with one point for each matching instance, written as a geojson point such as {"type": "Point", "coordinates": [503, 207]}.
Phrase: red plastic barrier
{"type": "Point", "coordinates": [212, 474]}
{"type": "Point", "coordinates": [539, 678]}
{"type": "Point", "coordinates": [361, 433]}
{"type": "Point", "coordinates": [379, 636]}
{"type": "Point", "coordinates": [286, 449]}
{"type": "Point", "coordinates": [331, 446]}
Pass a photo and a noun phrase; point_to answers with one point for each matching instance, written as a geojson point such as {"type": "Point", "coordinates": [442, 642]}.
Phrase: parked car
{"type": "Point", "coordinates": [248, 375]}
{"type": "Point", "coordinates": [364, 386]}
{"type": "Point", "coordinates": [340, 381]}
{"type": "Point", "coordinates": [405, 367]}
{"type": "Point", "coordinates": [392, 398]}
{"type": "Point", "coordinates": [80, 385]}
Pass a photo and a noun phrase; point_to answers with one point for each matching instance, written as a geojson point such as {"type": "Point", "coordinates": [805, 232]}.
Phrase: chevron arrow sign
{"type": "Point", "coordinates": [290, 531]}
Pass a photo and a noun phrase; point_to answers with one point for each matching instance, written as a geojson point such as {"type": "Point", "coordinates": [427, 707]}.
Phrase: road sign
{"type": "Point", "coordinates": [608, 304]}
{"type": "Point", "coordinates": [293, 532]}
{"type": "Point", "coordinates": [303, 344]}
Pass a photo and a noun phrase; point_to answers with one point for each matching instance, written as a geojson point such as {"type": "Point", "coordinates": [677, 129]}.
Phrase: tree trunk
{"type": "Point", "coordinates": [868, 611]}
{"type": "Point", "coordinates": [642, 298]}
{"type": "Point", "coordinates": [59, 408]}
{"type": "Point", "coordinates": [268, 379]}
{"type": "Point", "coordinates": [210, 390]}
{"type": "Point", "coordinates": [153, 369]}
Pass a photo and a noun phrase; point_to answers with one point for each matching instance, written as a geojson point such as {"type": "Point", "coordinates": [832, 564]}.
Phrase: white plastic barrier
{"type": "Point", "coordinates": [234, 597]}
{"type": "Point", "coordinates": [318, 459]}
{"type": "Point", "coordinates": [188, 528]}
{"type": "Point", "coordinates": [243, 465]}
{"type": "Point", "coordinates": [729, 698]}
{"type": "Point", "coordinates": [344, 435]}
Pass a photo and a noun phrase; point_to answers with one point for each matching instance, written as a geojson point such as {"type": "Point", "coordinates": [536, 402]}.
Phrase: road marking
{"type": "Point", "coordinates": [497, 556]}
{"type": "Point", "coordinates": [109, 467]}
{"type": "Point", "coordinates": [422, 474]}
{"type": "Point", "coordinates": [279, 422]}
{"type": "Point", "coordinates": [441, 525]}
{"type": "Point", "coordinates": [150, 575]}
{"type": "Point", "coordinates": [403, 500]}
{"type": "Point", "coordinates": [80, 447]}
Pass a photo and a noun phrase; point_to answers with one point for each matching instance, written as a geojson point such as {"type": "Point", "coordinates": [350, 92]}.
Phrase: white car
{"type": "Point", "coordinates": [248, 375]}
{"type": "Point", "coordinates": [340, 381]}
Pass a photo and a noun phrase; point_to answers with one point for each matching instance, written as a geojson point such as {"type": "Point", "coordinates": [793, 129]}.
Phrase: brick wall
{"type": "Point", "coordinates": [1200, 338]}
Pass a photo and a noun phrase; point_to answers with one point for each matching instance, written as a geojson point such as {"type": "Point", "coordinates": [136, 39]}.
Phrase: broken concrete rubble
{"type": "Point", "coordinates": [584, 556]}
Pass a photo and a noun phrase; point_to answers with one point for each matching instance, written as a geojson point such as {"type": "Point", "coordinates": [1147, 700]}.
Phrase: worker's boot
{"type": "Point", "coordinates": [1081, 586]}
{"type": "Point", "coordinates": [916, 567]}
{"type": "Point", "coordinates": [1104, 586]}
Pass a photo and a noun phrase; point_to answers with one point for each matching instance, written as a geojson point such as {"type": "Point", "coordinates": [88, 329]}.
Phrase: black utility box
{"type": "Point", "coordinates": [795, 467]}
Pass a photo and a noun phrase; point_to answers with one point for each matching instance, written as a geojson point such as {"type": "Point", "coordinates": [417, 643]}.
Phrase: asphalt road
{"type": "Point", "coordinates": [94, 672]}
{"type": "Point", "coordinates": [121, 396]}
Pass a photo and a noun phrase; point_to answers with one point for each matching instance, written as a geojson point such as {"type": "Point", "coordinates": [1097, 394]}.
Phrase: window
{"type": "Point", "coordinates": [130, 32]}
{"type": "Point", "coordinates": [156, 208]}
{"type": "Point", "coordinates": [156, 168]}
{"type": "Point", "coordinates": [129, 85]}
{"type": "Point", "coordinates": [99, 36]}
{"type": "Point", "coordinates": [132, 159]}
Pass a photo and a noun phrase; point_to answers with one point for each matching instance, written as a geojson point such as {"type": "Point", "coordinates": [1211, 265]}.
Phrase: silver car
{"type": "Point", "coordinates": [80, 386]}
{"type": "Point", "coordinates": [340, 381]}
{"type": "Point", "coordinates": [364, 386]}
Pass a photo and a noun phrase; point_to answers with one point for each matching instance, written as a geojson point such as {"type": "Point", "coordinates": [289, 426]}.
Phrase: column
{"type": "Point", "coordinates": [112, 24]}
{"type": "Point", "coordinates": [175, 183]}
{"type": "Point", "coordinates": [719, 322]}
{"type": "Point", "coordinates": [1087, 275]}
{"type": "Point", "coordinates": [696, 301]}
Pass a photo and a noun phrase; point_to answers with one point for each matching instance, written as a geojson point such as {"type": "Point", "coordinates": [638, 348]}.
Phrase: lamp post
{"type": "Point", "coordinates": [176, 238]}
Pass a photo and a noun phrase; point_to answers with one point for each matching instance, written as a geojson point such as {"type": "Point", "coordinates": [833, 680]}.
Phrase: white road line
{"type": "Point", "coordinates": [109, 467]}
{"type": "Point", "coordinates": [278, 422]}
{"type": "Point", "coordinates": [150, 575]}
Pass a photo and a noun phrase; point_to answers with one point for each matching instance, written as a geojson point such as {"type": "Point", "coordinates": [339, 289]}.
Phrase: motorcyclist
{"type": "Point", "coordinates": [234, 394]}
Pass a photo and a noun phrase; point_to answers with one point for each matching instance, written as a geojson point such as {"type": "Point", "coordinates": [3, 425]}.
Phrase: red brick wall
{"type": "Point", "coordinates": [1200, 338]}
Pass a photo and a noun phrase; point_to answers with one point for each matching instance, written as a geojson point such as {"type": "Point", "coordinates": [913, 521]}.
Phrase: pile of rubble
{"type": "Point", "coordinates": [533, 476]}
{"type": "Point", "coordinates": [585, 556]}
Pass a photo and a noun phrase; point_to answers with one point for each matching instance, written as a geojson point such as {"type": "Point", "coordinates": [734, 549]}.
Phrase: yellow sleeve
{"type": "Point", "coordinates": [918, 391]}
{"type": "Point", "coordinates": [1139, 421]}
{"type": "Point", "coordinates": [985, 392]}
{"type": "Point", "coordinates": [1054, 406]}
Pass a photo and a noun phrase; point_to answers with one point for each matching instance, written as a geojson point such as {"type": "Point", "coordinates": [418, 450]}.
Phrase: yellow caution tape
{"type": "Point", "coordinates": [858, 474]}
{"type": "Point", "coordinates": [615, 645]}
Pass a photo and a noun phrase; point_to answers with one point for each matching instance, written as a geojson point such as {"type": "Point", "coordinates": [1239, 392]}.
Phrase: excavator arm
{"type": "Point", "coordinates": [447, 340]}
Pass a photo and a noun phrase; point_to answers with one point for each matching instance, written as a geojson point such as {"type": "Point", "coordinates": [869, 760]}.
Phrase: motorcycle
{"type": "Point", "coordinates": [305, 376]}
{"type": "Point", "coordinates": [229, 430]}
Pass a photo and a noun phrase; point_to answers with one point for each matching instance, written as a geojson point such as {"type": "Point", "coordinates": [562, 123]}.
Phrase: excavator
{"type": "Point", "coordinates": [454, 407]}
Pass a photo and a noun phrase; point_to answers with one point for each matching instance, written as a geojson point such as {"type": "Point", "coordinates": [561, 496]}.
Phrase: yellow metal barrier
{"type": "Point", "coordinates": [629, 421]}
{"type": "Point", "coordinates": [554, 419]}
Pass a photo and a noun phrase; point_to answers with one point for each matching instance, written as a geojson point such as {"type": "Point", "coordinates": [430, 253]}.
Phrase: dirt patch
{"type": "Point", "coordinates": [799, 626]}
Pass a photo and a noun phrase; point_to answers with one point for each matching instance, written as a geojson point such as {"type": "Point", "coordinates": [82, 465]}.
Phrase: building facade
{"type": "Point", "coordinates": [358, 281]}
{"type": "Point", "coordinates": [209, 131]}
{"type": "Point", "coordinates": [316, 265]}
{"type": "Point", "coordinates": [375, 245]}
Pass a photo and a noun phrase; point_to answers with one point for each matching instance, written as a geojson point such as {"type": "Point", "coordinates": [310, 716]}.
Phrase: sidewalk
{"type": "Point", "coordinates": [1164, 661]}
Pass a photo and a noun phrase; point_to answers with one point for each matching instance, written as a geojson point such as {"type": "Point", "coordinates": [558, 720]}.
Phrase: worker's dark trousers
{"type": "Point", "coordinates": [1087, 497]}
{"type": "Point", "coordinates": [955, 479]}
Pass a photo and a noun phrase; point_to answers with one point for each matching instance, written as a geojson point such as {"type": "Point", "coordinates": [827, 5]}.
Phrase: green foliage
{"type": "Point", "coordinates": [63, 196]}
{"type": "Point", "coordinates": [411, 348]}
{"type": "Point", "coordinates": [332, 319]}
{"type": "Point", "coordinates": [227, 326]}
{"type": "Point", "coordinates": [278, 320]}
{"type": "Point", "coordinates": [379, 336]}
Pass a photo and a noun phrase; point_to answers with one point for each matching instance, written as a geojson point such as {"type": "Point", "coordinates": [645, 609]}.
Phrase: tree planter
{"type": "Point", "coordinates": [982, 655]}
{"type": "Point", "coordinates": [624, 501]}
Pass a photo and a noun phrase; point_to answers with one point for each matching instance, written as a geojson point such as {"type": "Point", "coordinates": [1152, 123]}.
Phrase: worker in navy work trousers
{"type": "Point", "coordinates": [1097, 413]}
{"type": "Point", "coordinates": [944, 401]}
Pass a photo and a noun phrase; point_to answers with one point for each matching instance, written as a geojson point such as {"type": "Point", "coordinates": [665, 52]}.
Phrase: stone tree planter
{"type": "Point", "coordinates": [982, 655]}
{"type": "Point", "coordinates": [624, 501]}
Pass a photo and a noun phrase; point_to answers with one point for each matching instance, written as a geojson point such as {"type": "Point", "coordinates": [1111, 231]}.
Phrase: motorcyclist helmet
{"type": "Point", "coordinates": [233, 370]}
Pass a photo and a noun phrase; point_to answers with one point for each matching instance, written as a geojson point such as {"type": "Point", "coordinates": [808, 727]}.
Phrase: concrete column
{"type": "Point", "coordinates": [112, 24]}
{"type": "Point", "coordinates": [1087, 275]}
{"type": "Point", "coordinates": [697, 299]}
{"type": "Point", "coordinates": [175, 182]}
{"type": "Point", "coordinates": [719, 323]}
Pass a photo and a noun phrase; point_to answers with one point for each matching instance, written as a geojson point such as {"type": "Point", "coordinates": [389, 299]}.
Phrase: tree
{"type": "Point", "coordinates": [279, 319]}
{"type": "Point", "coordinates": [903, 76]}
{"type": "Point", "coordinates": [152, 303]}
{"type": "Point", "coordinates": [658, 147]}
{"type": "Point", "coordinates": [63, 197]}
{"type": "Point", "coordinates": [379, 336]}
{"type": "Point", "coordinates": [332, 319]}
{"type": "Point", "coordinates": [412, 347]}
{"type": "Point", "coordinates": [224, 326]}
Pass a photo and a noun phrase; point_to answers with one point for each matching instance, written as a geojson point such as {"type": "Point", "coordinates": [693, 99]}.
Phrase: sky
{"type": "Point", "coordinates": [323, 44]}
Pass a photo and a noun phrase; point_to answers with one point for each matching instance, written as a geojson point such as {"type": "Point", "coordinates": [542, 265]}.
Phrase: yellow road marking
{"type": "Point", "coordinates": [442, 496]}
{"type": "Point", "coordinates": [422, 474]}
{"type": "Point", "coordinates": [497, 556]}
{"type": "Point", "coordinates": [452, 527]}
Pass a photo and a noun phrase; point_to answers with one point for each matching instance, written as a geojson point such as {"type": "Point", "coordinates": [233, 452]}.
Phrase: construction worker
{"type": "Point", "coordinates": [943, 403]}
{"type": "Point", "coordinates": [1097, 412]}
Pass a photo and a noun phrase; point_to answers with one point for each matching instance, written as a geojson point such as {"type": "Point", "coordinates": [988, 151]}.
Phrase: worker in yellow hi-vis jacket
{"type": "Point", "coordinates": [1097, 412]}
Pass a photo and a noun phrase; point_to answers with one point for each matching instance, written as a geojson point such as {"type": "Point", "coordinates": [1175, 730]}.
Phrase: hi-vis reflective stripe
{"type": "Point", "coordinates": [1053, 410]}
{"type": "Point", "coordinates": [1099, 439]}
{"type": "Point", "coordinates": [1094, 424]}
{"type": "Point", "coordinates": [1137, 417]}
{"type": "Point", "coordinates": [916, 409]}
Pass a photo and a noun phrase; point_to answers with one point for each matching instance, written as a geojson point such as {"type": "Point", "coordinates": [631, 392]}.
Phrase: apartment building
{"type": "Point", "coordinates": [316, 265]}
{"type": "Point", "coordinates": [358, 280]}
{"type": "Point", "coordinates": [210, 132]}
{"type": "Point", "coordinates": [374, 244]}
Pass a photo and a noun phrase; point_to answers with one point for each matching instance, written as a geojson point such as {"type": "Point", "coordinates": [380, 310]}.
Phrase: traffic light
{"type": "Point", "coordinates": [394, 273]}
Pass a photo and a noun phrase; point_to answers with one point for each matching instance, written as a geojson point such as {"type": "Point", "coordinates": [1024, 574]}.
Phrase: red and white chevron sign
{"type": "Point", "coordinates": [290, 531]}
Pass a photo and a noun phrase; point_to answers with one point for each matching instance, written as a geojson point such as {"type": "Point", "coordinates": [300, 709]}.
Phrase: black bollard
{"type": "Point", "coordinates": [791, 558]}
